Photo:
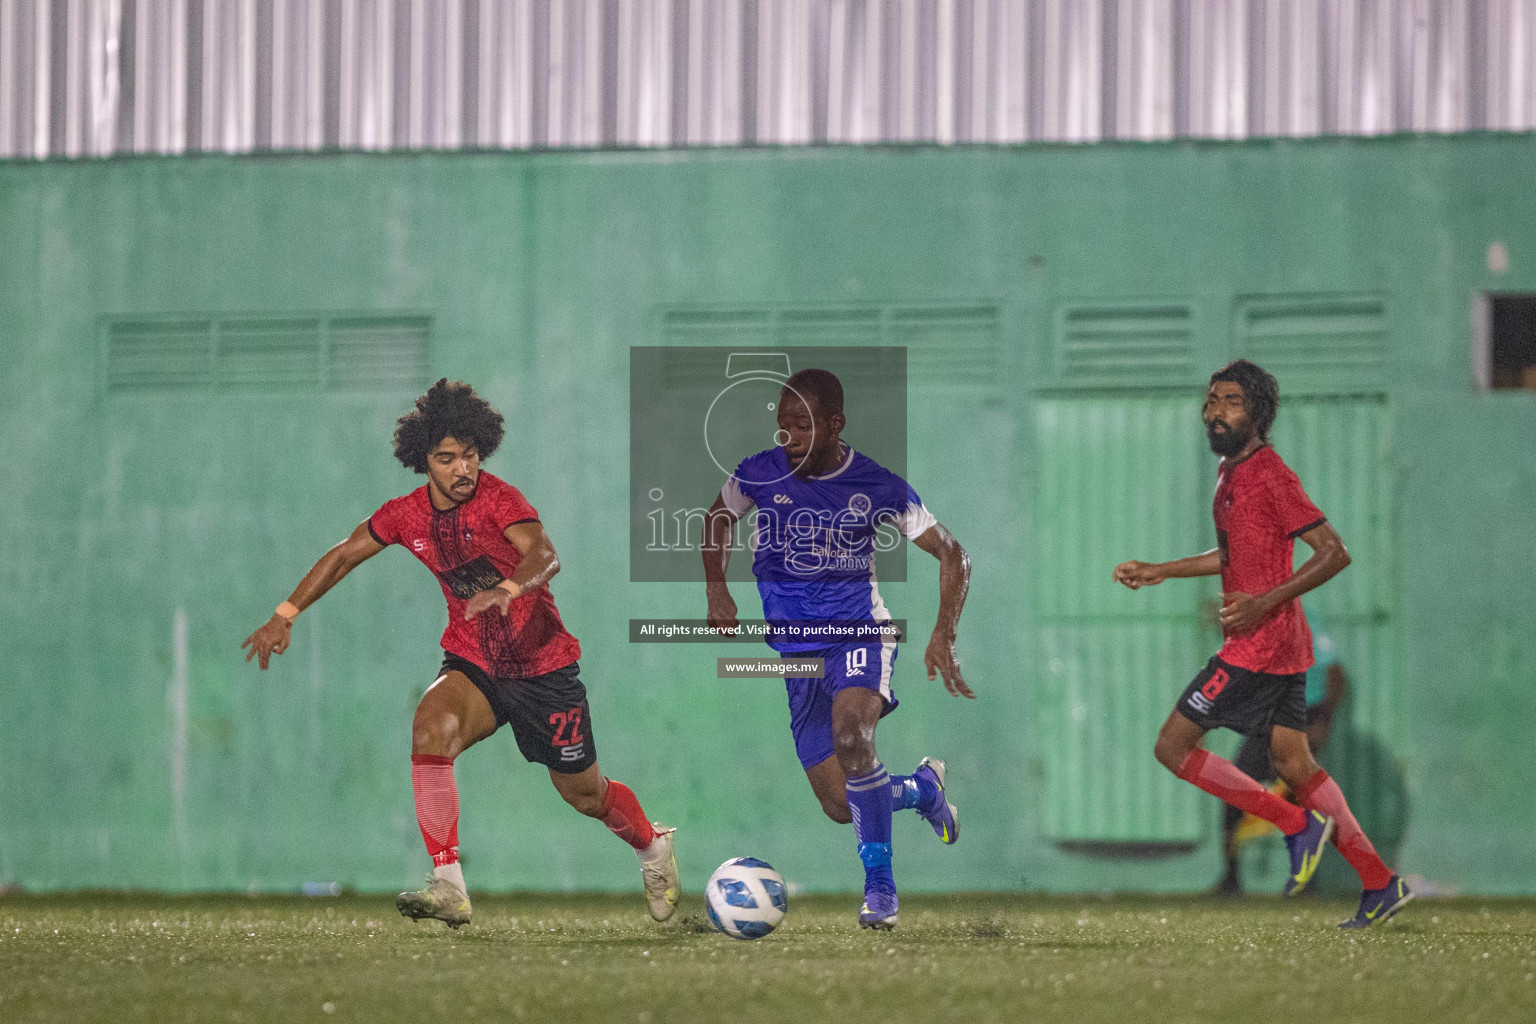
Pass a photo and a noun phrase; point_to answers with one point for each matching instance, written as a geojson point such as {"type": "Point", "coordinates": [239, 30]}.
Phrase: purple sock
{"type": "Point", "coordinates": [913, 792]}
{"type": "Point", "coordinates": [869, 800]}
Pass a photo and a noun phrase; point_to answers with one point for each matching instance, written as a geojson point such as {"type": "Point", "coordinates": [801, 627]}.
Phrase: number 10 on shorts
{"type": "Point", "coordinates": [856, 660]}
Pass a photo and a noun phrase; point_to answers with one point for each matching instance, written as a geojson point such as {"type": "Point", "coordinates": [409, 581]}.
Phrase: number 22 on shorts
{"type": "Point", "coordinates": [568, 734]}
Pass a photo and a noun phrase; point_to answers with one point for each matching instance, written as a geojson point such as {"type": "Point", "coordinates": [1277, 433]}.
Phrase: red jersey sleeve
{"type": "Point", "coordinates": [1293, 511]}
{"type": "Point", "coordinates": [511, 507]}
{"type": "Point", "coordinates": [385, 524]}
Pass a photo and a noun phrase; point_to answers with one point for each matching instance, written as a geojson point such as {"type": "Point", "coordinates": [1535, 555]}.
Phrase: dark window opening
{"type": "Point", "coordinates": [1512, 341]}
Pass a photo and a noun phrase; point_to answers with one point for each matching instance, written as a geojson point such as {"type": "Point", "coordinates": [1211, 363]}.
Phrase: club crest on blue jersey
{"type": "Point", "coordinates": [815, 539]}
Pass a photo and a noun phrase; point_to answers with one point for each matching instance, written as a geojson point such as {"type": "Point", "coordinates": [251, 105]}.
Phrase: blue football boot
{"type": "Point", "coordinates": [945, 818]}
{"type": "Point", "coordinates": [878, 911]}
{"type": "Point", "coordinates": [1306, 849]}
{"type": "Point", "coordinates": [1376, 905]}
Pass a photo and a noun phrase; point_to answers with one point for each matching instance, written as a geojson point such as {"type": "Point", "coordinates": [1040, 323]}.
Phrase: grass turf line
{"type": "Point", "coordinates": [977, 957]}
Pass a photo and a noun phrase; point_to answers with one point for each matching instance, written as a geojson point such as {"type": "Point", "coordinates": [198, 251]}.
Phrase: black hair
{"type": "Point", "coordinates": [1261, 392]}
{"type": "Point", "coordinates": [822, 385]}
{"type": "Point", "coordinates": [448, 409]}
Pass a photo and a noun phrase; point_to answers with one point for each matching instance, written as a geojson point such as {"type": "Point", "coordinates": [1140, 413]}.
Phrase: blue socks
{"type": "Point", "coordinates": [869, 800]}
{"type": "Point", "coordinates": [913, 792]}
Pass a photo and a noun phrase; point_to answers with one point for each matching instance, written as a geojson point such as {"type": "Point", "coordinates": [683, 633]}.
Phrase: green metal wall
{"type": "Point", "coordinates": [144, 535]}
{"type": "Point", "coordinates": [1119, 478]}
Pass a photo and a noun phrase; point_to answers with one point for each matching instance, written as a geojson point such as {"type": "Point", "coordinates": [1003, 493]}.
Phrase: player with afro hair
{"type": "Point", "coordinates": [507, 657]}
{"type": "Point", "coordinates": [448, 409]}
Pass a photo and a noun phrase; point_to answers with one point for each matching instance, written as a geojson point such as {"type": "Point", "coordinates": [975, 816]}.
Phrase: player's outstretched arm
{"type": "Point", "coordinates": [1242, 612]}
{"type": "Point", "coordinates": [273, 637]}
{"type": "Point", "coordinates": [954, 583]}
{"type": "Point", "coordinates": [537, 566]}
{"type": "Point", "coordinates": [1147, 574]}
{"type": "Point", "coordinates": [719, 526]}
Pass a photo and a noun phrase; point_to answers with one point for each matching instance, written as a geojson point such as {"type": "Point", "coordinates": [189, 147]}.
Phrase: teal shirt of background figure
{"type": "Point", "coordinates": [1325, 654]}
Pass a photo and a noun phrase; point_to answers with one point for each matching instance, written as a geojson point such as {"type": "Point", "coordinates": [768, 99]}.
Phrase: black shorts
{"type": "Point", "coordinates": [1252, 758]}
{"type": "Point", "coordinates": [1224, 696]}
{"type": "Point", "coordinates": [549, 715]}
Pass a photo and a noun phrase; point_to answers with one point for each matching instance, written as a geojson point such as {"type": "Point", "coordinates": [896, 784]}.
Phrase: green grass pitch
{"type": "Point", "coordinates": [973, 957]}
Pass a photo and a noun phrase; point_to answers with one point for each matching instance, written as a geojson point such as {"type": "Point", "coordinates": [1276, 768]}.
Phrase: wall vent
{"type": "Point", "coordinates": [829, 327]}
{"type": "Point", "coordinates": [268, 353]}
{"type": "Point", "coordinates": [950, 346]}
{"type": "Point", "coordinates": [1321, 333]}
{"type": "Point", "coordinates": [947, 346]}
{"type": "Point", "coordinates": [164, 354]}
{"type": "Point", "coordinates": [1133, 343]}
{"type": "Point", "coordinates": [710, 326]}
{"type": "Point", "coordinates": [379, 353]}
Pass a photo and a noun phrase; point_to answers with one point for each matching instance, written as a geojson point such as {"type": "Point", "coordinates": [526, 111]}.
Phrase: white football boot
{"type": "Point", "coordinates": [441, 900]}
{"type": "Point", "coordinates": [658, 871]}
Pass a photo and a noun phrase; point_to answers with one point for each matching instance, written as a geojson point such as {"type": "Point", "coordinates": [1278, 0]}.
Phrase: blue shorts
{"type": "Point", "coordinates": [810, 700]}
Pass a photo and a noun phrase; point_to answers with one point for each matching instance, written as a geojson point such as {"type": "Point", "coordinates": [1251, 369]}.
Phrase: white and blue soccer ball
{"type": "Point", "coordinates": [746, 898]}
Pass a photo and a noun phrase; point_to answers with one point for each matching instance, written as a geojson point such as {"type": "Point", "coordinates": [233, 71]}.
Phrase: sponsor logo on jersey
{"type": "Point", "coordinates": [465, 581]}
{"type": "Point", "coordinates": [833, 530]}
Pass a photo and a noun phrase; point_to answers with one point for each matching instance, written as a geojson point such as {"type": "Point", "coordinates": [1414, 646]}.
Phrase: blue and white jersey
{"type": "Point", "coordinates": [815, 539]}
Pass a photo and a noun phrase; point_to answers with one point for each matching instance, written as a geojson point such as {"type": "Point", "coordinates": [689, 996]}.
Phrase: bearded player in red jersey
{"type": "Point", "coordinates": [1256, 685]}
{"type": "Point", "coordinates": [507, 659]}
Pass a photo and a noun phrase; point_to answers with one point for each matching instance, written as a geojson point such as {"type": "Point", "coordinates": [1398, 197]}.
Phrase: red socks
{"type": "Point", "coordinates": [437, 806]}
{"type": "Point", "coordinates": [1321, 793]}
{"type": "Point", "coordinates": [1223, 780]}
{"type": "Point", "coordinates": [622, 814]}
{"type": "Point", "coordinates": [437, 810]}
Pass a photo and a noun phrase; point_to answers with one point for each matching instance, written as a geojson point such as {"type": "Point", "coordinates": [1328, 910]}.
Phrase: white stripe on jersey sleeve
{"type": "Point", "coordinates": [737, 502]}
{"type": "Point", "coordinates": [915, 521]}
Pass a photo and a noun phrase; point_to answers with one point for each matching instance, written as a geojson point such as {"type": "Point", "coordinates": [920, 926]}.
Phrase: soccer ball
{"type": "Point", "coordinates": [745, 898]}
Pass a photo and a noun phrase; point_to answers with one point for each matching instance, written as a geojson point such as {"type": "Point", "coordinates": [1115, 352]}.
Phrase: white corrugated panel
{"type": "Point", "coordinates": [96, 77]}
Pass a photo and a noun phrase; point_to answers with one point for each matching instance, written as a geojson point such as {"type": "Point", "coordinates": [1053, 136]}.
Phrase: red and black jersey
{"type": "Point", "coordinates": [466, 547]}
{"type": "Point", "coordinates": [1260, 510]}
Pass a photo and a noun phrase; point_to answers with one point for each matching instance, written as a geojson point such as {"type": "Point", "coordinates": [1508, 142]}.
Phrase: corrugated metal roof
{"type": "Point", "coordinates": [96, 77]}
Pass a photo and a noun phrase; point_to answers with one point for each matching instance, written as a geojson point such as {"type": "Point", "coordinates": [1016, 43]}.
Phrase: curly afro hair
{"type": "Point", "coordinates": [448, 409]}
{"type": "Point", "coordinates": [1261, 392]}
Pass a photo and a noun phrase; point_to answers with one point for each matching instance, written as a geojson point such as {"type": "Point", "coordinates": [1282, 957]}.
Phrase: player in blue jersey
{"type": "Point", "coordinates": [821, 509]}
